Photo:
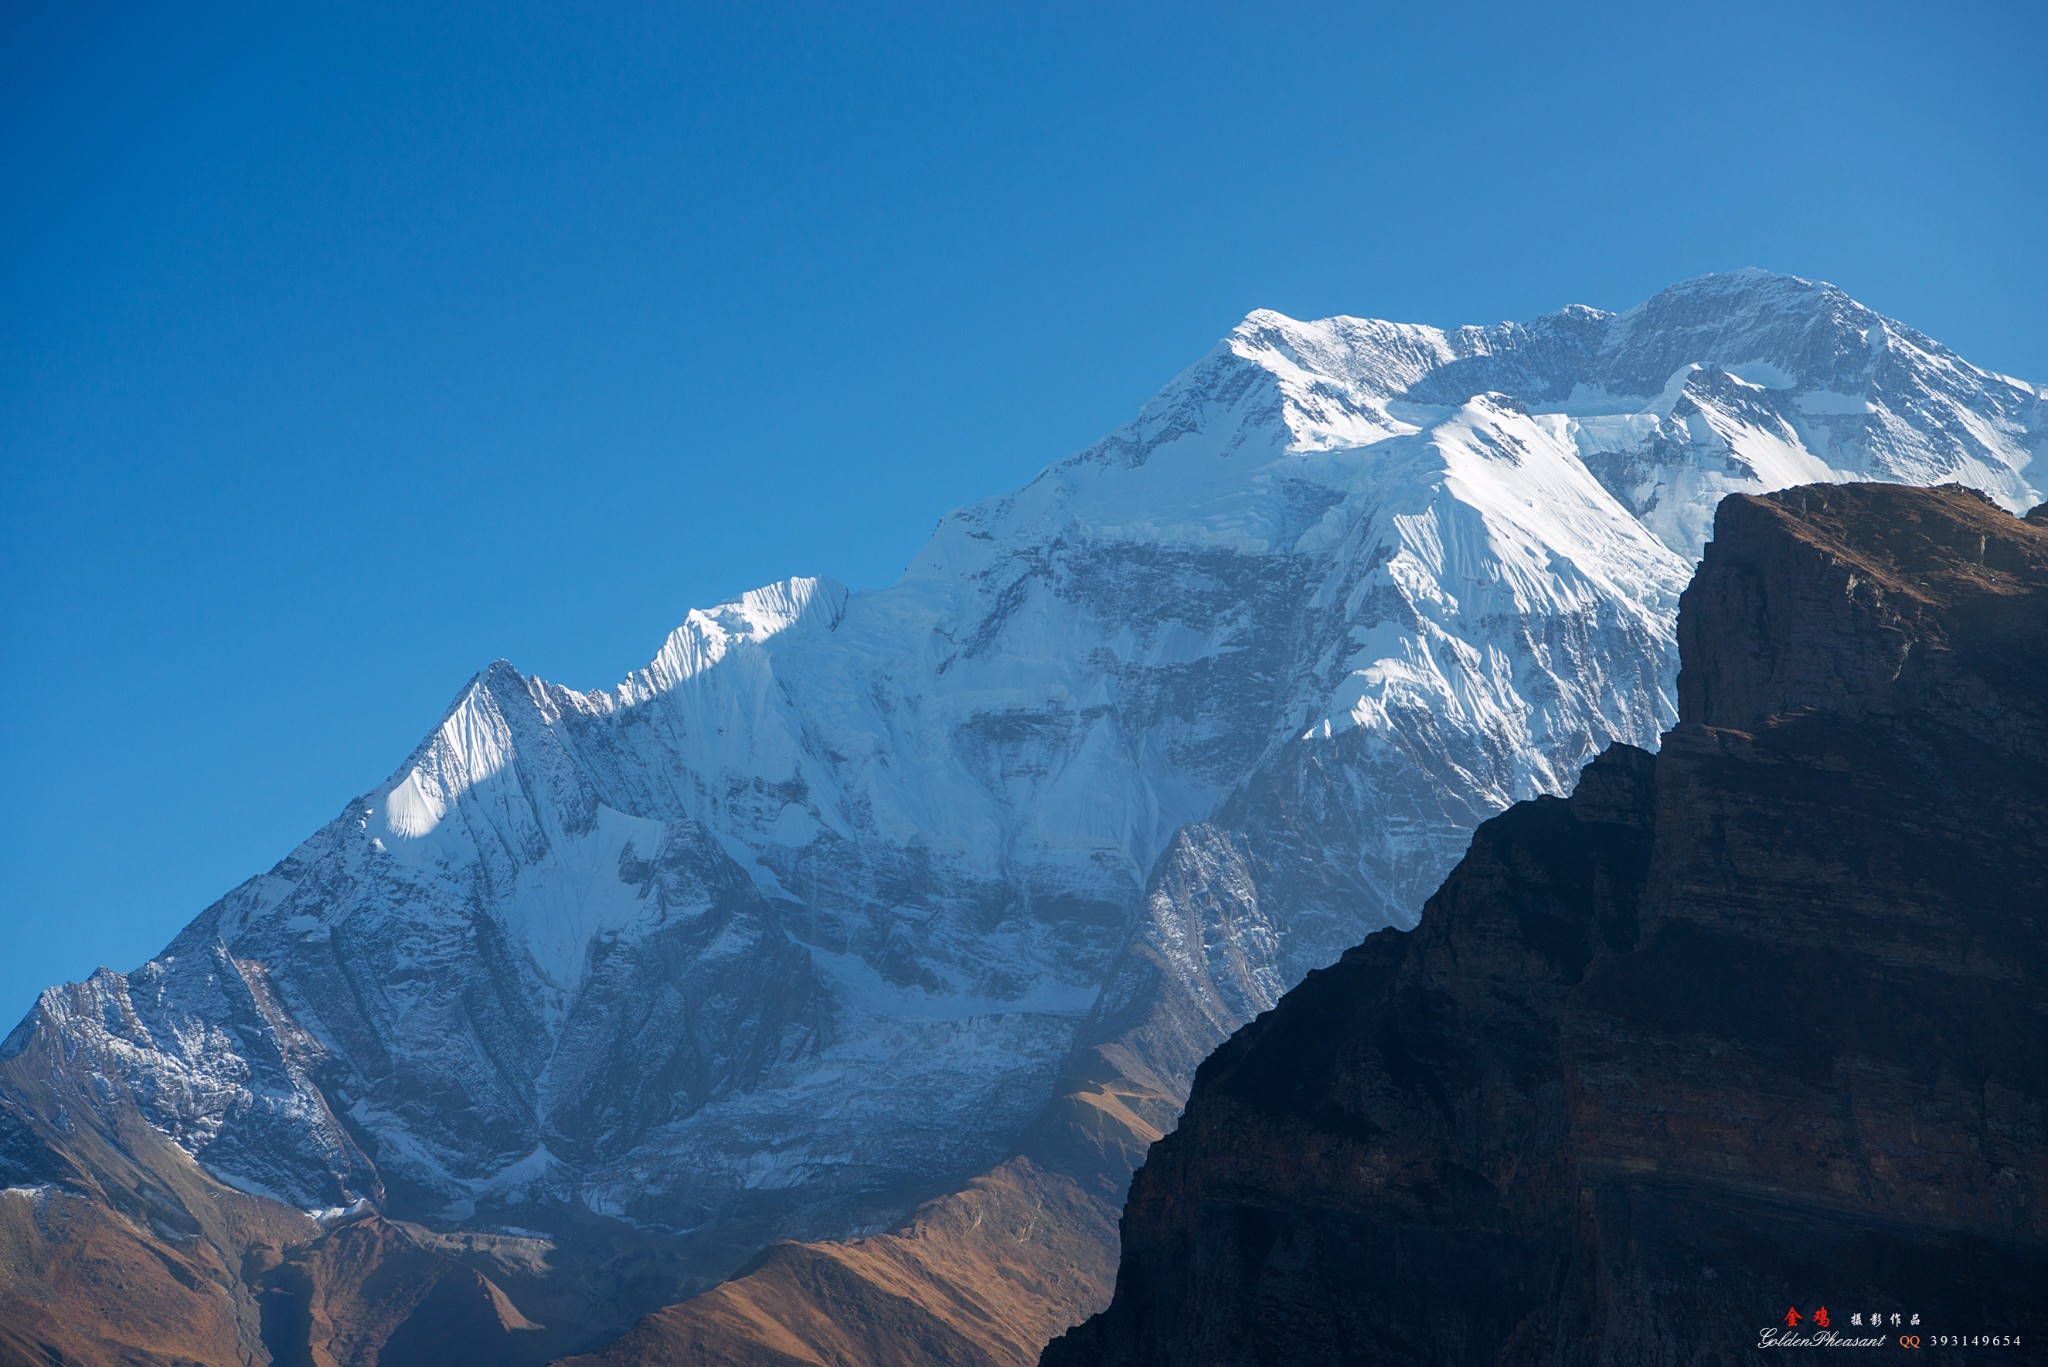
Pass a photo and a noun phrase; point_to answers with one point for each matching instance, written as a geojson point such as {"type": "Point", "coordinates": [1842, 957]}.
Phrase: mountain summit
{"type": "Point", "coordinates": [847, 897]}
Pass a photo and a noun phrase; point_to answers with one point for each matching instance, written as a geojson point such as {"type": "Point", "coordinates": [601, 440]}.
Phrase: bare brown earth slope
{"type": "Point", "coordinates": [985, 1276]}
{"type": "Point", "coordinates": [1751, 1026]}
{"type": "Point", "coordinates": [127, 1253]}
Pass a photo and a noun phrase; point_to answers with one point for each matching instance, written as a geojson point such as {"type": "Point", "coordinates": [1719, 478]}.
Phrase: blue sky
{"type": "Point", "coordinates": [346, 349]}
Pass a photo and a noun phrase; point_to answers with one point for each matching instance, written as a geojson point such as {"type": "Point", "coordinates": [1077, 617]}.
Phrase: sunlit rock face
{"type": "Point", "coordinates": [802, 922]}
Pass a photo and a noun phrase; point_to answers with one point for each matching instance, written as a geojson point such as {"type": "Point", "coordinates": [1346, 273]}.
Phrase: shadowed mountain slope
{"type": "Point", "coordinates": [1749, 1025]}
{"type": "Point", "coordinates": [849, 899]}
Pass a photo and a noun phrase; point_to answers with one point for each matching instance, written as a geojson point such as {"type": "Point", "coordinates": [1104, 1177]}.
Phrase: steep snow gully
{"type": "Point", "coordinates": [798, 923]}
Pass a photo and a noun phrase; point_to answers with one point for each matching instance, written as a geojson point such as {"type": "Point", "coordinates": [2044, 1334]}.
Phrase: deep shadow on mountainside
{"type": "Point", "coordinates": [1749, 1026]}
{"type": "Point", "coordinates": [812, 994]}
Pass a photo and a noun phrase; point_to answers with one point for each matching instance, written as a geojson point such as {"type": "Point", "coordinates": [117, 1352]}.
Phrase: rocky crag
{"type": "Point", "coordinates": [1749, 1026]}
{"type": "Point", "coordinates": [886, 920]}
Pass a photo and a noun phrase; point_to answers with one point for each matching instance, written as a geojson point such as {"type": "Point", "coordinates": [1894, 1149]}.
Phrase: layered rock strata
{"type": "Point", "coordinates": [851, 900]}
{"type": "Point", "coordinates": [1747, 1027]}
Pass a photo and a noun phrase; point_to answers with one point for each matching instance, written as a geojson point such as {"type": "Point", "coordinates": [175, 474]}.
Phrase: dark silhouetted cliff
{"type": "Point", "coordinates": [1751, 1025]}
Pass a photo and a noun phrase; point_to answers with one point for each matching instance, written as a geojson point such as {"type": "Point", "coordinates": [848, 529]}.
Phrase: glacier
{"type": "Point", "coordinates": [799, 923]}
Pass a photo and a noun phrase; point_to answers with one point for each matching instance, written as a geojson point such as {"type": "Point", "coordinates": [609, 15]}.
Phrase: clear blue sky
{"type": "Point", "coordinates": [346, 349]}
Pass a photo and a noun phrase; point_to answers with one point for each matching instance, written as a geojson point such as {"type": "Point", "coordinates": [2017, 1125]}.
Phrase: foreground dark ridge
{"type": "Point", "coordinates": [1749, 1026]}
{"type": "Point", "coordinates": [915, 910]}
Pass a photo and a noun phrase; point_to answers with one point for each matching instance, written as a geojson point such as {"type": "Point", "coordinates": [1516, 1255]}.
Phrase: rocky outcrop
{"type": "Point", "coordinates": [1749, 1026]}
{"type": "Point", "coordinates": [850, 900]}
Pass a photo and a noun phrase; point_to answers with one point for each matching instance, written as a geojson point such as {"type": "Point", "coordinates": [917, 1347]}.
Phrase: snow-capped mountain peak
{"type": "Point", "coordinates": [807, 914]}
{"type": "Point", "coordinates": [706, 636]}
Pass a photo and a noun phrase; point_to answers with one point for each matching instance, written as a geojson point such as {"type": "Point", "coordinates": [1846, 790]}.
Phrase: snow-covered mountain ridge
{"type": "Point", "coordinates": [801, 920]}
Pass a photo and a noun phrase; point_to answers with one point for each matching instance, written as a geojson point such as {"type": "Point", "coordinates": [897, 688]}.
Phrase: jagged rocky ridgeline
{"type": "Point", "coordinates": [1748, 1026]}
{"type": "Point", "coordinates": [852, 901]}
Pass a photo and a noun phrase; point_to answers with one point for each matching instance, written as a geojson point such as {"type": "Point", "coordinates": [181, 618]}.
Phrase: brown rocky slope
{"type": "Point", "coordinates": [1751, 1025]}
{"type": "Point", "coordinates": [125, 1253]}
{"type": "Point", "coordinates": [985, 1276]}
